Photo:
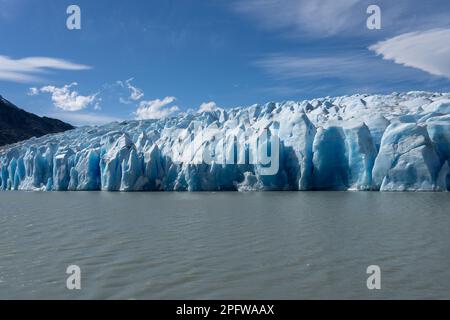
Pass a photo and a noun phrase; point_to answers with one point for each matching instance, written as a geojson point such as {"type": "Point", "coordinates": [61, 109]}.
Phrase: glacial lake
{"type": "Point", "coordinates": [292, 245]}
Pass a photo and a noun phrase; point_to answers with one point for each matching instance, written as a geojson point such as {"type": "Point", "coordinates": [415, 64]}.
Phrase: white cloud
{"type": "Point", "coordinates": [135, 93]}
{"type": "Point", "coordinates": [97, 105]}
{"type": "Point", "coordinates": [156, 109]}
{"type": "Point", "coordinates": [33, 92]}
{"type": "Point", "coordinates": [66, 99]}
{"type": "Point", "coordinates": [124, 101]}
{"type": "Point", "coordinates": [28, 69]}
{"type": "Point", "coordinates": [425, 50]}
{"type": "Point", "coordinates": [207, 106]}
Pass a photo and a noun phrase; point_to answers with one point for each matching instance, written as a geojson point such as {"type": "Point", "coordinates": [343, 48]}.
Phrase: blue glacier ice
{"type": "Point", "coordinates": [396, 142]}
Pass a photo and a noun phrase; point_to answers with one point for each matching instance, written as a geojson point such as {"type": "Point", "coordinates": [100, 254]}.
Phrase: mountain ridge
{"type": "Point", "coordinates": [17, 124]}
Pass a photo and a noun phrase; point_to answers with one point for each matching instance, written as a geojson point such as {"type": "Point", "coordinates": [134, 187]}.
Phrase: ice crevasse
{"type": "Point", "coordinates": [397, 142]}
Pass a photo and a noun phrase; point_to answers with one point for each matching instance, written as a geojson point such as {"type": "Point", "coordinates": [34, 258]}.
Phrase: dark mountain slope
{"type": "Point", "coordinates": [17, 124]}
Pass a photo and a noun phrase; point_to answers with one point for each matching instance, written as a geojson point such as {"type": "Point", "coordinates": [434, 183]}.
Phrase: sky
{"type": "Point", "coordinates": [148, 59]}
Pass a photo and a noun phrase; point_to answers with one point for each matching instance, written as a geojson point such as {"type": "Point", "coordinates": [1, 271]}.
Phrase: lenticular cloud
{"type": "Point", "coordinates": [424, 50]}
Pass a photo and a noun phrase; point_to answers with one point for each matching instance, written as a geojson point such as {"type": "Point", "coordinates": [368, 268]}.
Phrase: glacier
{"type": "Point", "coordinates": [362, 142]}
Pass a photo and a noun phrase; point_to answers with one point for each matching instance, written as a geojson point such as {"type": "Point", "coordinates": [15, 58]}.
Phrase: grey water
{"type": "Point", "coordinates": [293, 245]}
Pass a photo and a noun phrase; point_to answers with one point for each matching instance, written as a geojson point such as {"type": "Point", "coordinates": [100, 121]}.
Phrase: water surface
{"type": "Point", "coordinates": [299, 245]}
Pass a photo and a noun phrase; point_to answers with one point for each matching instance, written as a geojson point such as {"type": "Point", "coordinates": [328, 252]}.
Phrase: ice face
{"type": "Point", "coordinates": [407, 159]}
{"type": "Point", "coordinates": [397, 142]}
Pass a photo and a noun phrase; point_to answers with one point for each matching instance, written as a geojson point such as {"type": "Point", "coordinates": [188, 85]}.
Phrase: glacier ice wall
{"type": "Point", "coordinates": [397, 142]}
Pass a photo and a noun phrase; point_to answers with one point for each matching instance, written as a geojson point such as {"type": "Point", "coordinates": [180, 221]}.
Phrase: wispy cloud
{"type": "Point", "coordinates": [342, 73]}
{"type": "Point", "coordinates": [425, 50]}
{"type": "Point", "coordinates": [67, 99]}
{"type": "Point", "coordinates": [345, 18]}
{"type": "Point", "coordinates": [286, 67]}
{"type": "Point", "coordinates": [135, 92]}
{"type": "Point", "coordinates": [319, 17]}
{"type": "Point", "coordinates": [156, 109]}
{"type": "Point", "coordinates": [29, 69]}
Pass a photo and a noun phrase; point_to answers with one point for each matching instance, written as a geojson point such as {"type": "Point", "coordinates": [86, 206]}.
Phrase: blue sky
{"type": "Point", "coordinates": [150, 59]}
